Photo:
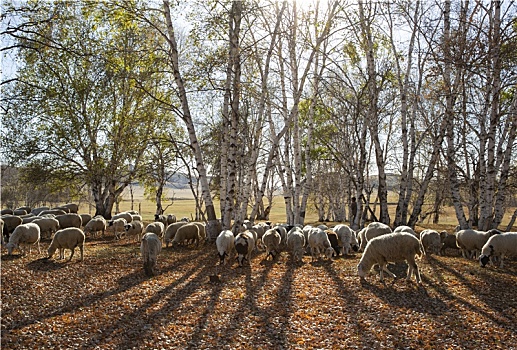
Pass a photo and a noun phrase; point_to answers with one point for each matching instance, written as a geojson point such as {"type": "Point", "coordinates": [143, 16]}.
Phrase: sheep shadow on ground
{"type": "Point", "coordinates": [45, 264]}
{"type": "Point", "coordinates": [7, 257]}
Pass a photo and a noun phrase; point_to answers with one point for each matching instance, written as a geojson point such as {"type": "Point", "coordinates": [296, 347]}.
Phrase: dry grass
{"type": "Point", "coordinates": [106, 302]}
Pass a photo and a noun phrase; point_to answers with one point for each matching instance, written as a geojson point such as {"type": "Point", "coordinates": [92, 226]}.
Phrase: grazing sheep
{"type": "Point", "coordinates": [55, 212]}
{"type": "Point", "coordinates": [334, 242]}
{"type": "Point", "coordinates": [499, 245]}
{"type": "Point", "coordinates": [24, 234]}
{"type": "Point", "coordinates": [26, 208]}
{"type": "Point", "coordinates": [188, 233]}
{"type": "Point", "coordinates": [19, 212]}
{"type": "Point", "coordinates": [319, 243]}
{"type": "Point", "coordinates": [247, 224]}
{"type": "Point", "coordinates": [48, 226]}
{"type": "Point", "coordinates": [123, 215]}
{"type": "Point", "coordinates": [150, 248]}
{"type": "Point", "coordinates": [271, 240]}
{"type": "Point", "coordinates": [134, 228]}
{"type": "Point", "coordinates": [96, 224]}
{"type": "Point", "coordinates": [10, 223]}
{"type": "Point", "coordinates": [69, 220]}
{"type": "Point", "coordinates": [85, 218]}
{"type": "Point", "coordinates": [391, 247]}
{"type": "Point", "coordinates": [7, 212]}
{"type": "Point", "coordinates": [471, 241]}
{"type": "Point", "coordinates": [29, 218]}
{"type": "Point", "coordinates": [374, 229]}
{"type": "Point", "coordinates": [244, 243]}
{"type": "Point", "coordinates": [282, 230]}
{"type": "Point", "coordinates": [67, 238]}
{"type": "Point", "coordinates": [202, 230]}
{"type": "Point", "coordinates": [38, 210]}
{"type": "Point", "coordinates": [296, 243]}
{"type": "Point", "coordinates": [171, 231]}
{"type": "Point", "coordinates": [156, 227]}
{"type": "Point", "coordinates": [449, 242]}
{"type": "Point", "coordinates": [406, 229]}
{"type": "Point", "coordinates": [431, 241]}
{"type": "Point", "coordinates": [161, 218]}
{"type": "Point", "coordinates": [136, 217]}
{"type": "Point", "coordinates": [225, 243]}
{"type": "Point", "coordinates": [346, 238]}
{"type": "Point", "coordinates": [119, 227]}
{"type": "Point", "coordinates": [171, 219]}
{"type": "Point", "coordinates": [74, 208]}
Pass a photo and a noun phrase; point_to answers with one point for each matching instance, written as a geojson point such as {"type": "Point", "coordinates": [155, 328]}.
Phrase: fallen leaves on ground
{"type": "Point", "coordinates": [107, 302]}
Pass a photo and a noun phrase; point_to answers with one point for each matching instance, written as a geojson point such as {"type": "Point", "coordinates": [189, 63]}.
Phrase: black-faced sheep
{"type": "Point", "coordinates": [24, 234]}
{"type": "Point", "coordinates": [244, 244]}
{"type": "Point", "coordinates": [390, 247]}
{"type": "Point", "coordinates": [319, 243]}
{"type": "Point", "coordinates": [171, 219]}
{"type": "Point", "coordinates": [161, 218]}
{"type": "Point", "coordinates": [374, 229]}
{"type": "Point", "coordinates": [472, 241]}
{"type": "Point", "coordinates": [449, 242]}
{"type": "Point", "coordinates": [134, 229]}
{"type": "Point", "coordinates": [225, 243]}
{"type": "Point", "coordinates": [188, 233]}
{"type": "Point", "coordinates": [119, 227]}
{"type": "Point", "coordinates": [150, 248]}
{"type": "Point", "coordinates": [499, 245]}
{"type": "Point", "coordinates": [67, 238]}
{"type": "Point", "coordinates": [334, 241]}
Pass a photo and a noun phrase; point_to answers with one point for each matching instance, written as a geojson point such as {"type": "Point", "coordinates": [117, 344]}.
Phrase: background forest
{"type": "Point", "coordinates": [405, 102]}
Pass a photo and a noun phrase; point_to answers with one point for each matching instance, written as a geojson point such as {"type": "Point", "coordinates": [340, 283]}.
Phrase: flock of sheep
{"type": "Point", "coordinates": [377, 242]}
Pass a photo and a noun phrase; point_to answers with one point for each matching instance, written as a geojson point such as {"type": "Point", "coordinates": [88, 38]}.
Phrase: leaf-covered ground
{"type": "Point", "coordinates": [106, 302]}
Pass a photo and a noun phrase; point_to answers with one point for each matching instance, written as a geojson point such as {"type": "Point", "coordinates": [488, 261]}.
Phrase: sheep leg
{"type": "Point", "coordinates": [71, 254]}
{"type": "Point", "coordinates": [81, 249]}
{"type": "Point", "coordinates": [385, 269]}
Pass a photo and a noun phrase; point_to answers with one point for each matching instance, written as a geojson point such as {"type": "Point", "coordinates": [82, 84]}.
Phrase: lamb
{"type": "Point", "coordinates": [391, 247]}
{"type": "Point", "coordinates": [431, 241]}
{"type": "Point", "coordinates": [118, 227]}
{"type": "Point", "coordinates": [244, 243]}
{"type": "Point", "coordinates": [171, 231]}
{"type": "Point", "coordinates": [225, 243]}
{"type": "Point", "coordinates": [271, 241]}
{"type": "Point", "coordinates": [171, 219]}
{"type": "Point", "coordinates": [156, 227]}
{"type": "Point", "coordinates": [69, 220]}
{"type": "Point", "coordinates": [346, 238]}
{"type": "Point", "coordinates": [374, 229]}
{"type": "Point", "coordinates": [319, 242]}
{"type": "Point", "coordinates": [296, 243]}
{"type": "Point", "coordinates": [134, 228]}
{"type": "Point", "coordinates": [449, 242]}
{"type": "Point", "coordinates": [187, 233]}
{"type": "Point", "coordinates": [96, 224]}
{"type": "Point", "coordinates": [67, 238]}
{"type": "Point", "coordinates": [150, 248]}
{"type": "Point", "coordinates": [471, 241]}
{"type": "Point", "coordinates": [501, 245]}
{"type": "Point", "coordinates": [334, 241]}
{"type": "Point", "coordinates": [24, 234]}
{"type": "Point", "coordinates": [48, 226]}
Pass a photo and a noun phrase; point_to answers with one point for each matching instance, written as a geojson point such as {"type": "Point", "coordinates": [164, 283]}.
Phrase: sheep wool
{"type": "Point", "coordinates": [271, 241]}
{"type": "Point", "coordinates": [391, 247]}
{"type": "Point", "coordinates": [225, 243]}
{"type": "Point", "coordinates": [501, 245]}
{"type": "Point", "coordinates": [150, 248]}
{"type": "Point", "coordinates": [24, 234]}
{"type": "Point", "coordinates": [296, 244]}
{"type": "Point", "coordinates": [67, 238]}
{"type": "Point", "coordinates": [244, 243]}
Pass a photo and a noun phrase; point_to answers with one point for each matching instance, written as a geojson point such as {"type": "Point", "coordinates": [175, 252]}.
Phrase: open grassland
{"type": "Point", "coordinates": [106, 302]}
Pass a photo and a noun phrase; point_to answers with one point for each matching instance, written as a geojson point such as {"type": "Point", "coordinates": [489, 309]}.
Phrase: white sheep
{"type": "Point", "coordinates": [391, 247]}
{"type": "Point", "coordinates": [374, 229]}
{"type": "Point", "coordinates": [407, 229]}
{"type": "Point", "coordinates": [499, 245]}
{"type": "Point", "coordinates": [67, 238]}
{"type": "Point", "coordinates": [186, 234]}
{"type": "Point", "coordinates": [136, 217]}
{"type": "Point", "coordinates": [271, 240]}
{"type": "Point", "coordinates": [96, 224]}
{"type": "Point", "coordinates": [134, 229]}
{"type": "Point", "coordinates": [244, 244]}
{"type": "Point", "coordinates": [296, 243]}
{"type": "Point", "coordinates": [47, 226]}
{"type": "Point", "coordinates": [319, 243]}
{"type": "Point", "coordinates": [202, 230]}
{"type": "Point", "coordinates": [118, 225]}
{"type": "Point", "coordinates": [347, 239]}
{"type": "Point", "coordinates": [85, 218]}
{"type": "Point", "coordinates": [158, 228]}
{"type": "Point", "coordinates": [150, 248]}
{"type": "Point", "coordinates": [24, 234]}
{"type": "Point", "coordinates": [472, 241]}
{"type": "Point", "coordinates": [282, 230]}
{"type": "Point", "coordinates": [161, 218]}
{"type": "Point", "coordinates": [431, 241]}
{"type": "Point", "coordinates": [123, 215]}
{"type": "Point", "coordinates": [69, 220]}
{"type": "Point", "coordinates": [225, 243]}
{"type": "Point", "coordinates": [171, 230]}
